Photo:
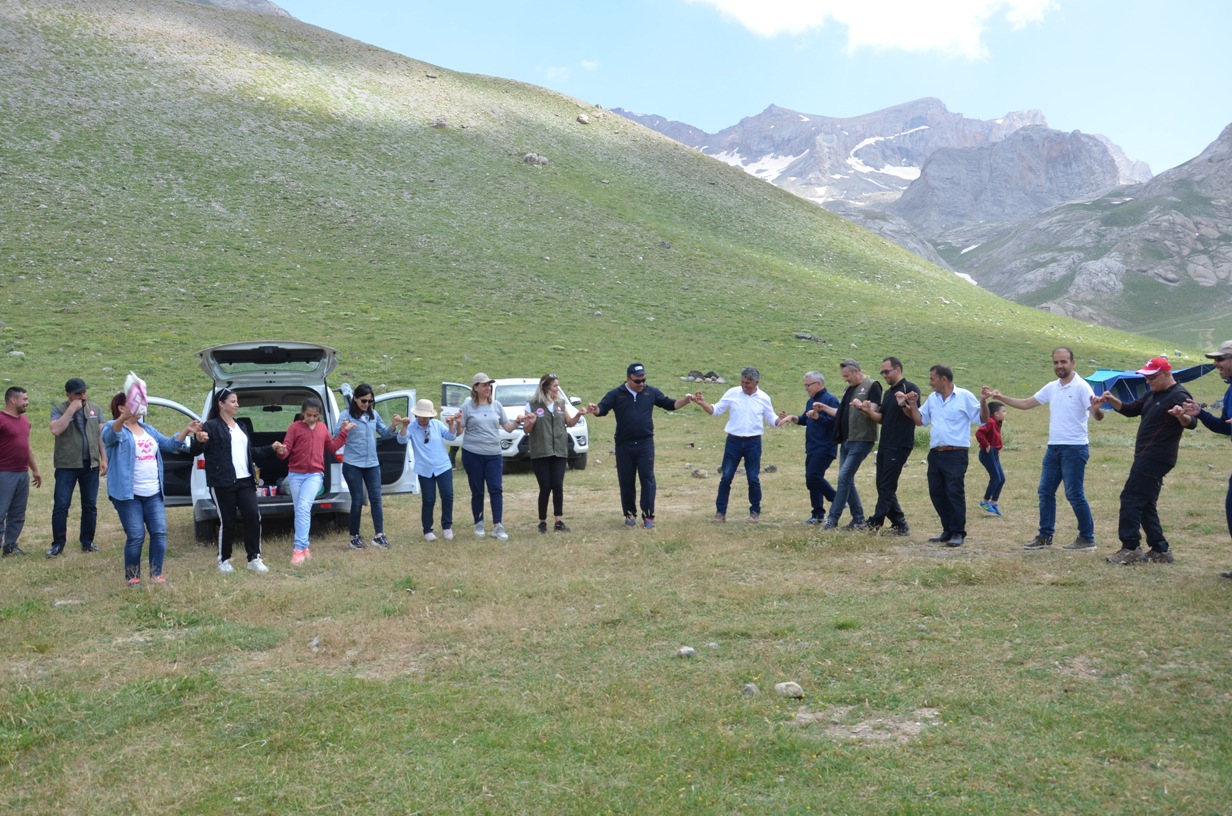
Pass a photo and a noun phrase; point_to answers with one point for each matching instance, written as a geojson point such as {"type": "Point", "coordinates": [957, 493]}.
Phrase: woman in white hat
{"type": "Point", "coordinates": [432, 466]}
{"type": "Point", "coordinates": [481, 420]}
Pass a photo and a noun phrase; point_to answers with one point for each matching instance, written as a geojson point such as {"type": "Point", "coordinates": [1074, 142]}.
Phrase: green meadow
{"type": "Point", "coordinates": [176, 176]}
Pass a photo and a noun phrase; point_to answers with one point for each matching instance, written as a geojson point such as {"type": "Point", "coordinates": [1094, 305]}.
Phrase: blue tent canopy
{"type": "Point", "coordinates": [1129, 385]}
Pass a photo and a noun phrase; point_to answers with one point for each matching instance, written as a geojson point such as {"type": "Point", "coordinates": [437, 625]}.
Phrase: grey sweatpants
{"type": "Point", "coordinates": [14, 492]}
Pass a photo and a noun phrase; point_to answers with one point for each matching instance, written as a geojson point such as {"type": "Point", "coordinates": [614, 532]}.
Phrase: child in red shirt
{"type": "Point", "coordinates": [989, 437]}
{"type": "Point", "coordinates": [306, 443]}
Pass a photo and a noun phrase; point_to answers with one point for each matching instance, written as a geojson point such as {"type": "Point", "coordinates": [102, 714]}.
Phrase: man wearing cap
{"type": "Point", "coordinates": [1223, 423]}
{"type": "Point", "coordinates": [633, 403]}
{"type": "Point", "coordinates": [15, 459]}
{"type": "Point", "coordinates": [749, 410]}
{"type": "Point", "coordinates": [79, 459]}
{"type": "Point", "coordinates": [1070, 401]}
{"type": "Point", "coordinates": [1162, 409]}
{"type": "Point", "coordinates": [949, 412]}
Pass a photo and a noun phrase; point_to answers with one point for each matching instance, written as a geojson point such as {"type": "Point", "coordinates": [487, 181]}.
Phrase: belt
{"type": "Point", "coordinates": [944, 448]}
{"type": "Point", "coordinates": [733, 436]}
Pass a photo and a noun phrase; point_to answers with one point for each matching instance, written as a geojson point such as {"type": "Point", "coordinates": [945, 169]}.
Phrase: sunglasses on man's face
{"type": "Point", "coordinates": [639, 382]}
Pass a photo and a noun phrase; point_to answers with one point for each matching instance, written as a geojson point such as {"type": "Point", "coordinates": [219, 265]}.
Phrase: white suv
{"type": "Point", "coordinates": [272, 379]}
{"type": "Point", "coordinates": [513, 393]}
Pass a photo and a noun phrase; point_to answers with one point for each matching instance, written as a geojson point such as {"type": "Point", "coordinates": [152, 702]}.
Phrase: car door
{"type": "Point", "coordinates": [170, 418]}
{"type": "Point", "coordinates": [397, 461]}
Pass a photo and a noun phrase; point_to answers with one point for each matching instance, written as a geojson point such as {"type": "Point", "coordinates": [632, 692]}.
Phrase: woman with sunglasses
{"type": "Point", "coordinates": [547, 417]}
{"type": "Point", "coordinates": [481, 420]}
{"type": "Point", "coordinates": [432, 466]}
{"type": "Point", "coordinates": [360, 468]}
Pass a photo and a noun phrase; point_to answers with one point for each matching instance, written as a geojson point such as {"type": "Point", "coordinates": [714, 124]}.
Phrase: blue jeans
{"type": "Point", "coordinates": [850, 456]}
{"type": "Point", "coordinates": [737, 448]}
{"type": "Point", "coordinates": [480, 470]}
{"type": "Point", "coordinates": [67, 480]}
{"type": "Point", "coordinates": [137, 515]}
{"type": "Point", "coordinates": [361, 480]}
{"type": "Point", "coordinates": [991, 460]}
{"type": "Point", "coordinates": [304, 490]}
{"type": "Point", "coordinates": [1065, 463]}
{"type": "Point", "coordinates": [428, 486]}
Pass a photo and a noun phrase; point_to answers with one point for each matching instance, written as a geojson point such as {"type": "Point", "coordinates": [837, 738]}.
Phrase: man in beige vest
{"type": "Point", "coordinates": [80, 461]}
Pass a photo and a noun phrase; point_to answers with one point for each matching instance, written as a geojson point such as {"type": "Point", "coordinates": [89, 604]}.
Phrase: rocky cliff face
{"type": "Point", "coordinates": [1030, 170]}
{"type": "Point", "coordinates": [1130, 257]}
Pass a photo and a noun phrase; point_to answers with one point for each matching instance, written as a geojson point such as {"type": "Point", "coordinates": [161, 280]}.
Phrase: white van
{"type": "Point", "coordinates": [272, 379]}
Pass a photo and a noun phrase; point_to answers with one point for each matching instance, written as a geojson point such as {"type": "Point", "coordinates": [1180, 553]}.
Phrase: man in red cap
{"type": "Point", "coordinates": [1221, 424]}
{"type": "Point", "coordinates": [1162, 409]}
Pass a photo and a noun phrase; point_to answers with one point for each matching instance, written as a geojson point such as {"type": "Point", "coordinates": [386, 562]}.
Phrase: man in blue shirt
{"type": "Point", "coordinates": [633, 403]}
{"type": "Point", "coordinates": [819, 446]}
{"type": "Point", "coordinates": [949, 413]}
{"type": "Point", "coordinates": [1221, 424]}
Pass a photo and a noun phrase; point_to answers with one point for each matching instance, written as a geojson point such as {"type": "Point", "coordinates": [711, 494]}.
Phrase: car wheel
{"type": "Point", "coordinates": [205, 531]}
{"type": "Point", "coordinates": [579, 462]}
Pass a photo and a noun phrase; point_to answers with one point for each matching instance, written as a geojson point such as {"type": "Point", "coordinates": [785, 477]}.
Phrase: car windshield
{"type": "Point", "coordinates": [515, 395]}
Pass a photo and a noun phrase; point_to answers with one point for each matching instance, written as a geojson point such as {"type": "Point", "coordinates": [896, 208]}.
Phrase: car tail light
{"type": "Point", "coordinates": [201, 463]}
{"type": "Point", "coordinates": [338, 457]}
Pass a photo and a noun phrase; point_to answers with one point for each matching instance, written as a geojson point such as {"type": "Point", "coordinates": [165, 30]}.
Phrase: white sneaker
{"type": "Point", "coordinates": [449, 534]}
{"type": "Point", "coordinates": [479, 533]}
{"type": "Point", "coordinates": [429, 536]}
{"type": "Point", "coordinates": [257, 565]}
{"type": "Point", "coordinates": [225, 566]}
{"type": "Point", "coordinates": [499, 532]}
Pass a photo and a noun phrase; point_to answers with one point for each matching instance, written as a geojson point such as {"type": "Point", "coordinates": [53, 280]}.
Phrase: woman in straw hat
{"type": "Point", "coordinates": [432, 466]}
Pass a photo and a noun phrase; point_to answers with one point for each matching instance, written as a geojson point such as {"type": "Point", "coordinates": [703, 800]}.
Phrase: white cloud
{"type": "Point", "coordinates": [954, 27]}
{"type": "Point", "coordinates": [590, 65]}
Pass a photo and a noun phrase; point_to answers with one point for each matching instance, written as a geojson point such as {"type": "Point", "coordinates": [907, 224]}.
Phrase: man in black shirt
{"type": "Point", "coordinates": [1164, 420]}
{"type": "Point", "coordinates": [634, 403]}
{"type": "Point", "coordinates": [897, 442]}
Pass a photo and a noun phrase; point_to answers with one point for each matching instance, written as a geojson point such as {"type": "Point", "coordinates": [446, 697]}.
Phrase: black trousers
{"type": "Point", "coordinates": [242, 497]}
{"type": "Point", "coordinates": [635, 462]}
{"type": "Point", "coordinates": [890, 464]}
{"type": "Point", "coordinates": [820, 490]}
{"type": "Point", "coordinates": [947, 471]}
{"type": "Point", "coordinates": [550, 473]}
{"type": "Point", "coordinates": [1139, 513]}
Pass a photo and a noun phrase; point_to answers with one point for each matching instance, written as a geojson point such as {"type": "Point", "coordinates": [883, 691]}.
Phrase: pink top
{"type": "Point", "coordinates": [307, 447]}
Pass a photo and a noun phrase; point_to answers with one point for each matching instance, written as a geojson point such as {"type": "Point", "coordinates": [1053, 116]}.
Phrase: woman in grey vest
{"type": "Point", "coordinates": [547, 417]}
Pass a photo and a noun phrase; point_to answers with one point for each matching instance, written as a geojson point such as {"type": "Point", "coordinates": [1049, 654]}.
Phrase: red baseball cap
{"type": "Point", "coordinates": [1154, 366]}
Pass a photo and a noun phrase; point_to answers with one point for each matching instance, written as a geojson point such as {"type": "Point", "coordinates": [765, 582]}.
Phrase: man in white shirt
{"type": "Point", "coordinates": [1071, 402]}
{"type": "Point", "coordinates": [749, 411]}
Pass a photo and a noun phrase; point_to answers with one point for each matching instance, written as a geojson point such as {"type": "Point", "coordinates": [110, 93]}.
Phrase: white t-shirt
{"type": "Point", "coordinates": [239, 453]}
{"type": "Point", "coordinates": [145, 468]}
{"type": "Point", "coordinates": [1069, 410]}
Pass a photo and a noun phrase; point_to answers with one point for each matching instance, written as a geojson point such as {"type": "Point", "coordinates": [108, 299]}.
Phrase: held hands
{"type": "Point", "coordinates": [592, 408]}
{"type": "Point", "coordinates": [279, 449]}
{"type": "Point", "coordinates": [347, 426]}
{"type": "Point", "coordinates": [202, 437]}
{"type": "Point", "coordinates": [1190, 408]}
{"type": "Point", "coordinates": [405, 422]}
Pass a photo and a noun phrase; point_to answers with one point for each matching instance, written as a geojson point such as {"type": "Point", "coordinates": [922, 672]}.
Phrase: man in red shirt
{"type": "Point", "coordinates": [15, 459]}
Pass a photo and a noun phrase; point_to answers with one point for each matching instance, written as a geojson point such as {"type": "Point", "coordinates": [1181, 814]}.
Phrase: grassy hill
{"type": "Point", "coordinates": [175, 176]}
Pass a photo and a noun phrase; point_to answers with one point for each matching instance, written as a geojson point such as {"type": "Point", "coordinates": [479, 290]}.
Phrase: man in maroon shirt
{"type": "Point", "coordinates": [15, 459]}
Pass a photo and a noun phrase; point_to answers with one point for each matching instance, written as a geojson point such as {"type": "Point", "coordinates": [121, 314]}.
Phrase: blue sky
{"type": "Point", "coordinates": [1152, 76]}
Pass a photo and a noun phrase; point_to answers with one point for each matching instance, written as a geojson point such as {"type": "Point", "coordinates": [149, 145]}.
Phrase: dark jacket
{"type": "Point", "coordinates": [819, 433]}
{"type": "Point", "coordinates": [219, 470]}
{"type": "Point", "coordinates": [1159, 433]}
{"type": "Point", "coordinates": [634, 415]}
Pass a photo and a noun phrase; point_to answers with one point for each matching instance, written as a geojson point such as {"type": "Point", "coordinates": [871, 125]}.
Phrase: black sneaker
{"type": "Point", "coordinates": [1080, 544]}
{"type": "Point", "coordinates": [543, 527]}
{"type": "Point", "coordinates": [1158, 557]}
{"type": "Point", "coordinates": [1126, 556]}
{"type": "Point", "coordinates": [855, 526]}
{"type": "Point", "coordinates": [14, 550]}
{"type": "Point", "coordinates": [356, 543]}
{"type": "Point", "coordinates": [89, 548]}
{"type": "Point", "coordinates": [561, 528]}
{"type": "Point", "coordinates": [55, 550]}
{"type": "Point", "coordinates": [939, 539]}
{"type": "Point", "coordinates": [380, 541]}
{"type": "Point", "coordinates": [900, 530]}
{"type": "Point", "coordinates": [1040, 542]}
